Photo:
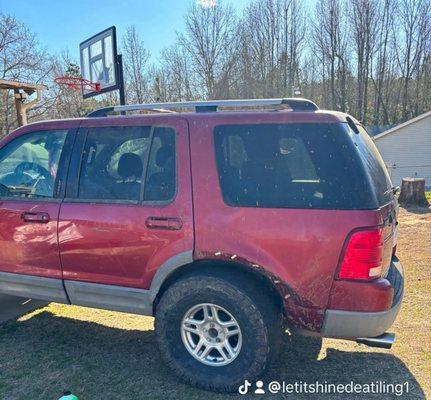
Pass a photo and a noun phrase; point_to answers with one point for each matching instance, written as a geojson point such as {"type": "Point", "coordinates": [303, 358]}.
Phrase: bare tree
{"type": "Point", "coordinates": [368, 57]}
{"type": "Point", "coordinates": [330, 45]}
{"type": "Point", "coordinates": [272, 35]}
{"type": "Point", "coordinates": [363, 18]}
{"type": "Point", "coordinates": [262, 25]}
{"type": "Point", "coordinates": [382, 61]}
{"type": "Point", "coordinates": [175, 75]}
{"type": "Point", "coordinates": [136, 58]}
{"type": "Point", "coordinates": [208, 43]}
{"type": "Point", "coordinates": [413, 44]}
{"type": "Point", "coordinates": [294, 29]}
{"type": "Point", "coordinates": [21, 59]}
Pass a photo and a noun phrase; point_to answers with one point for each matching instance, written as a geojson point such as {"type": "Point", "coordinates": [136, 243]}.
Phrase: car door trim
{"type": "Point", "coordinates": [109, 297]}
{"type": "Point", "coordinates": [121, 298]}
{"type": "Point", "coordinates": [37, 287]}
{"type": "Point", "coordinates": [96, 295]}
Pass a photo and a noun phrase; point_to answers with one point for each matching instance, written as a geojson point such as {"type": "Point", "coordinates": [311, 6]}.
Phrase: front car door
{"type": "Point", "coordinates": [32, 162]}
{"type": "Point", "coordinates": [128, 207]}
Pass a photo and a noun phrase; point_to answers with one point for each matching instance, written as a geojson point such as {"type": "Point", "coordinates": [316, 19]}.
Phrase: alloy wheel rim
{"type": "Point", "coordinates": [211, 334]}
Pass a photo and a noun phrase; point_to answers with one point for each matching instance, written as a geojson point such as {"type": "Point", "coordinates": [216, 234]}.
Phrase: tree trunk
{"type": "Point", "coordinates": [413, 192]}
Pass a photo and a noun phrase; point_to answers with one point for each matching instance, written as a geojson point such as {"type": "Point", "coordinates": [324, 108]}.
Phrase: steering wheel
{"type": "Point", "coordinates": [22, 168]}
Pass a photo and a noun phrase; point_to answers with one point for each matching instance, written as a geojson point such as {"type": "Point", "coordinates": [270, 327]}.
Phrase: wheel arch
{"type": "Point", "coordinates": [252, 275]}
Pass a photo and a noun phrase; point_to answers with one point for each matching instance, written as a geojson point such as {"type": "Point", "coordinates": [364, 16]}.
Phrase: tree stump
{"type": "Point", "coordinates": [413, 192]}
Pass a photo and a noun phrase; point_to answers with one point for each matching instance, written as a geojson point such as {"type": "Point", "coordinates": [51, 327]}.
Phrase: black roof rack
{"type": "Point", "coordinates": [296, 104]}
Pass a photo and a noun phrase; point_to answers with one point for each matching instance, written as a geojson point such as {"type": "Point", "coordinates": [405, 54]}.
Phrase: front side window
{"type": "Point", "coordinates": [29, 165]}
{"type": "Point", "coordinates": [290, 166]}
{"type": "Point", "coordinates": [115, 159]}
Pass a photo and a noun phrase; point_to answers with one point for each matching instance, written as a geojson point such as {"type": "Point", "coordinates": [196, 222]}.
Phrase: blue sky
{"type": "Point", "coordinates": [62, 25]}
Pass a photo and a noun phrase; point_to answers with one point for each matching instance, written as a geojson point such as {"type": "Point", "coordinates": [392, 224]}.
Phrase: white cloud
{"type": "Point", "coordinates": [206, 3]}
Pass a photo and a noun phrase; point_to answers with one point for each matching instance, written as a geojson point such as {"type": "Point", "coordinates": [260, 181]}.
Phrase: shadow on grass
{"type": "Point", "coordinates": [45, 355]}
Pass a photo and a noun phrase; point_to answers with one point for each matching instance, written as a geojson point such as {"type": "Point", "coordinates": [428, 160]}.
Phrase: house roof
{"type": "Point", "coordinates": [409, 122]}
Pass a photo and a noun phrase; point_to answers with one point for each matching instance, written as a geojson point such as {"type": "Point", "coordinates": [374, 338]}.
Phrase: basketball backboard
{"type": "Point", "coordinates": [99, 62]}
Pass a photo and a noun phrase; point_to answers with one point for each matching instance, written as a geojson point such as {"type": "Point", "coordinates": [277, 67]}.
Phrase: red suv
{"type": "Point", "coordinates": [227, 226]}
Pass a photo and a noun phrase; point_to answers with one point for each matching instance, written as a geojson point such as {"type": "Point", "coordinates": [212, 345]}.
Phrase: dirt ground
{"type": "Point", "coordinates": [100, 354]}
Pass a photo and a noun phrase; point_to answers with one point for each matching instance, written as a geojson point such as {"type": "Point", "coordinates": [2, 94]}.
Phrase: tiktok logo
{"type": "Point", "coordinates": [243, 389]}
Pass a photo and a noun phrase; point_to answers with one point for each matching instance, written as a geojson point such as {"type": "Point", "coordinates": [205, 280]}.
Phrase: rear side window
{"type": "Point", "coordinates": [375, 167]}
{"type": "Point", "coordinates": [291, 166]}
{"type": "Point", "coordinates": [117, 160]}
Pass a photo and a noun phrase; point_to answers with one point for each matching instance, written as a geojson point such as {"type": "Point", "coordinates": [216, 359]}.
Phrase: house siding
{"type": "Point", "coordinates": [407, 151]}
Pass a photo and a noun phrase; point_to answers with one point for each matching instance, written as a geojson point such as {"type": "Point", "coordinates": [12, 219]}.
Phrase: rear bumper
{"type": "Point", "coordinates": [352, 324]}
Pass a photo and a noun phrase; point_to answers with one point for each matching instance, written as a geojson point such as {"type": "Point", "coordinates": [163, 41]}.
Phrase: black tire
{"type": "Point", "coordinates": [258, 316]}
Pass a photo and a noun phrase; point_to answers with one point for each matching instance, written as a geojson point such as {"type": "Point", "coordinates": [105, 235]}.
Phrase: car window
{"type": "Point", "coordinates": [29, 164]}
{"type": "Point", "coordinates": [375, 166]}
{"type": "Point", "coordinates": [112, 165]}
{"type": "Point", "coordinates": [138, 146]}
{"type": "Point", "coordinates": [115, 160]}
{"type": "Point", "coordinates": [160, 184]}
{"type": "Point", "coordinates": [291, 166]}
{"type": "Point", "coordinates": [297, 160]}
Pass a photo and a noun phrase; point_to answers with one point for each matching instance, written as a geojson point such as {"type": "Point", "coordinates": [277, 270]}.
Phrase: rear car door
{"type": "Point", "coordinates": [128, 207]}
{"type": "Point", "coordinates": [32, 165]}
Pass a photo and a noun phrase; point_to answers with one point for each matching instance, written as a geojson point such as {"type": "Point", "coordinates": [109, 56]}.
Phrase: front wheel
{"type": "Point", "coordinates": [215, 334]}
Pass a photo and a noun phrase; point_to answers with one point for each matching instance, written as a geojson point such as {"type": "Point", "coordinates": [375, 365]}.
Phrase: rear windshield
{"type": "Point", "coordinates": [295, 166]}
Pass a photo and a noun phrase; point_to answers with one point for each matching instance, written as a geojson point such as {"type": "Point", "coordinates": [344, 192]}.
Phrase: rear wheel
{"type": "Point", "coordinates": [215, 334]}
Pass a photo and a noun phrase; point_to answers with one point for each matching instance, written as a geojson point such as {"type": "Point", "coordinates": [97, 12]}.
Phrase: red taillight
{"type": "Point", "coordinates": [362, 259]}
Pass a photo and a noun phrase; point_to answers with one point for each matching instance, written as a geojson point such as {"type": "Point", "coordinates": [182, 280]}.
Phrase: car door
{"type": "Point", "coordinates": [128, 208]}
{"type": "Point", "coordinates": [32, 164]}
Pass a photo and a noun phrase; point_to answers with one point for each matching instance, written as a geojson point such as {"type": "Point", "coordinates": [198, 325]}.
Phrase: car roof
{"type": "Point", "coordinates": [240, 116]}
{"type": "Point", "coordinates": [317, 116]}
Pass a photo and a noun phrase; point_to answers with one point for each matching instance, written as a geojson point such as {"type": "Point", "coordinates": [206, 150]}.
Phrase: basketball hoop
{"type": "Point", "coordinates": [77, 83]}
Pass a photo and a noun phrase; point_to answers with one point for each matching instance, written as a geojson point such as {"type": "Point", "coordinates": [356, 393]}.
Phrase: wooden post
{"type": "Point", "coordinates": [413, 192]}
{"type": "Point", "coordinates": [21, 92]}
{"type": "Point", "coordinates": [21, 112]}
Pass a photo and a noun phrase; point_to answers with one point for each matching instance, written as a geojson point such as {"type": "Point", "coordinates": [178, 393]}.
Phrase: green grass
{"type": "Point", "coordinates": [107, 355]}
{"type": "Point", "coordinates": [428, 196]}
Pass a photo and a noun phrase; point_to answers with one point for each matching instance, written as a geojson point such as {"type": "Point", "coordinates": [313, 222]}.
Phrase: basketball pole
{"type": "Point", "coordinates": [121, 80]}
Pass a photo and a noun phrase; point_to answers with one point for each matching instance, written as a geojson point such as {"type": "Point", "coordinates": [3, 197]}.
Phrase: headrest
{"type": "Point", "coordinates": [129, 166]}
